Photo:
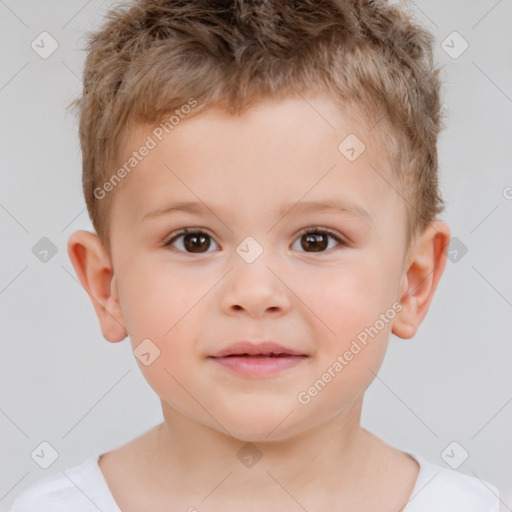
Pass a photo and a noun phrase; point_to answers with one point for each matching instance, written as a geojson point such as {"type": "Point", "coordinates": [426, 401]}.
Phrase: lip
{"type": "Point", "coordinates": [257, 359]}
{"type": "Point", "coordinates": [255, 349]}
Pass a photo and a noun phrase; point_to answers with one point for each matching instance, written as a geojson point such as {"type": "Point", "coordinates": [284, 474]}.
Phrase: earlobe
{"type": "Point", "coordinates": [426, 262]}
{"type": "Point", "coordinates": [93, 267]}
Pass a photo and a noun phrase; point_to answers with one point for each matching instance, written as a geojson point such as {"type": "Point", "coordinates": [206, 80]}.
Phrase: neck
{"type": "Point", "coordinates": [196, 458]}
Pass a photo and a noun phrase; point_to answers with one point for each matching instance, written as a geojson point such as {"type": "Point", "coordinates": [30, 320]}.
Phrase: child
{"type": "Point", "coordinates": [262, 179]}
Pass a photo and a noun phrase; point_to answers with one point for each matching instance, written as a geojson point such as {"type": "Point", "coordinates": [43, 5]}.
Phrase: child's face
{"type": "Point", "coordinates": [258, 176]}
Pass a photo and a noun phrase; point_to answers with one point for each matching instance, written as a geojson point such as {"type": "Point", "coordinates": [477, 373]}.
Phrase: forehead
{"type": "Point", "coordinates": [297, 149]}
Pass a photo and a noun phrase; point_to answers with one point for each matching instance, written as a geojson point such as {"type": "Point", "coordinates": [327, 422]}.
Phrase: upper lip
{"type": "Point", "coordinates": [259, 348]}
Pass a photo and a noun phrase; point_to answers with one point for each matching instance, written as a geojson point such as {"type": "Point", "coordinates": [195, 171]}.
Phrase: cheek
{"type": "Point", "coordinates": [356, 304]}
{"type": "Point", "coordinates": [161, 304]}
{"type": "Point", "coordinates": [350, 298]}
{"type": "Point", "coordinates": [349, 359]}
{"type": "Point", "coordinates": [156, 299]}
{"type": "Point", "coordinates": [158, 306]}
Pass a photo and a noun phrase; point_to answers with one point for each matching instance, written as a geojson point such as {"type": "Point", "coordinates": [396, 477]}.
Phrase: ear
{"type": "Point", "coordinates": [93, 267]}
{"type": "Point", "coordinates": [424, 267]}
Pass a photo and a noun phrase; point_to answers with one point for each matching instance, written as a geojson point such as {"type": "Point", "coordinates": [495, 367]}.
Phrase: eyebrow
{"type": "Point", "coordinates": [326, 205]}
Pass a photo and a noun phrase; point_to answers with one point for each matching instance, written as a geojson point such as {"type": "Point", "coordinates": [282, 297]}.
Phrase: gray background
{"type": "Point", "coordinates": [62, 383]}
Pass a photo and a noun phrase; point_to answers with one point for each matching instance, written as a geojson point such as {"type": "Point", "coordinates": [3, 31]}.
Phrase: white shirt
{"type": "Point", "coordinates": [83, 489]}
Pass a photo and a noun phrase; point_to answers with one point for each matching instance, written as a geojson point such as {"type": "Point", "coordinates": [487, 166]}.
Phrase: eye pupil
{"type": "Point", "coordinates": [194, 241]}
{"type": "Point", "coordinates": [317, 242]}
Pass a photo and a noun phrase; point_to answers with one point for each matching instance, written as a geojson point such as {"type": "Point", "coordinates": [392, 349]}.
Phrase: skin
{"type": "Point", "coordinates": [192, 304]}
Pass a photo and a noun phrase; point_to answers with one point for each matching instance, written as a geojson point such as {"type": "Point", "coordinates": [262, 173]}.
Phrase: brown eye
{"type": "Point", "coordinates": [195, 242]}
{"type": "Point", "coordinates": [318, 240]}
{"type": "Point", "coordinates": [314, 242]}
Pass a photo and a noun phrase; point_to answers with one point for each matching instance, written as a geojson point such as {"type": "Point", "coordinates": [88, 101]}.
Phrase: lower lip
{"type": "Point", "coordinates": [258, 366]}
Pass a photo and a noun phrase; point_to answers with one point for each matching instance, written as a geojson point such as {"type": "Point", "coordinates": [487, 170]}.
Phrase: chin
{"type": "Point", "coordinates": [250, 434]}
{"type": "Point", "coordinates": [257, 425]}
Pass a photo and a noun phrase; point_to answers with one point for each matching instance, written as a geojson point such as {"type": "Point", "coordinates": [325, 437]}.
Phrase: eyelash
{"type": "Point", "coordinates": [306, 231]}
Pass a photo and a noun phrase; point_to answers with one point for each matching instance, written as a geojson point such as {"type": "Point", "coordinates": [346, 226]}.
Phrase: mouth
{"type": "Point", "coordinates": [265, 349]}
{"type": "Point", "coordinates": [257, 360]}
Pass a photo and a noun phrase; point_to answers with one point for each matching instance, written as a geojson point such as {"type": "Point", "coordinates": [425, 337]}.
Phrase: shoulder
{"type": "Point", "coordinates": [445, 490]}
{"type": "Point", "coordinates": [78, 489]}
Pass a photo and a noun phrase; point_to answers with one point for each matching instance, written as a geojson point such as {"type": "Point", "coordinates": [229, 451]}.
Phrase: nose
{"type": "Point", "coordinates": [255, 289]}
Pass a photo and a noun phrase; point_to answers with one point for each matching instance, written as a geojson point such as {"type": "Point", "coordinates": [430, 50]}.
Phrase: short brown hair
{"type": "Point", "coordinates": [150, 57]}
